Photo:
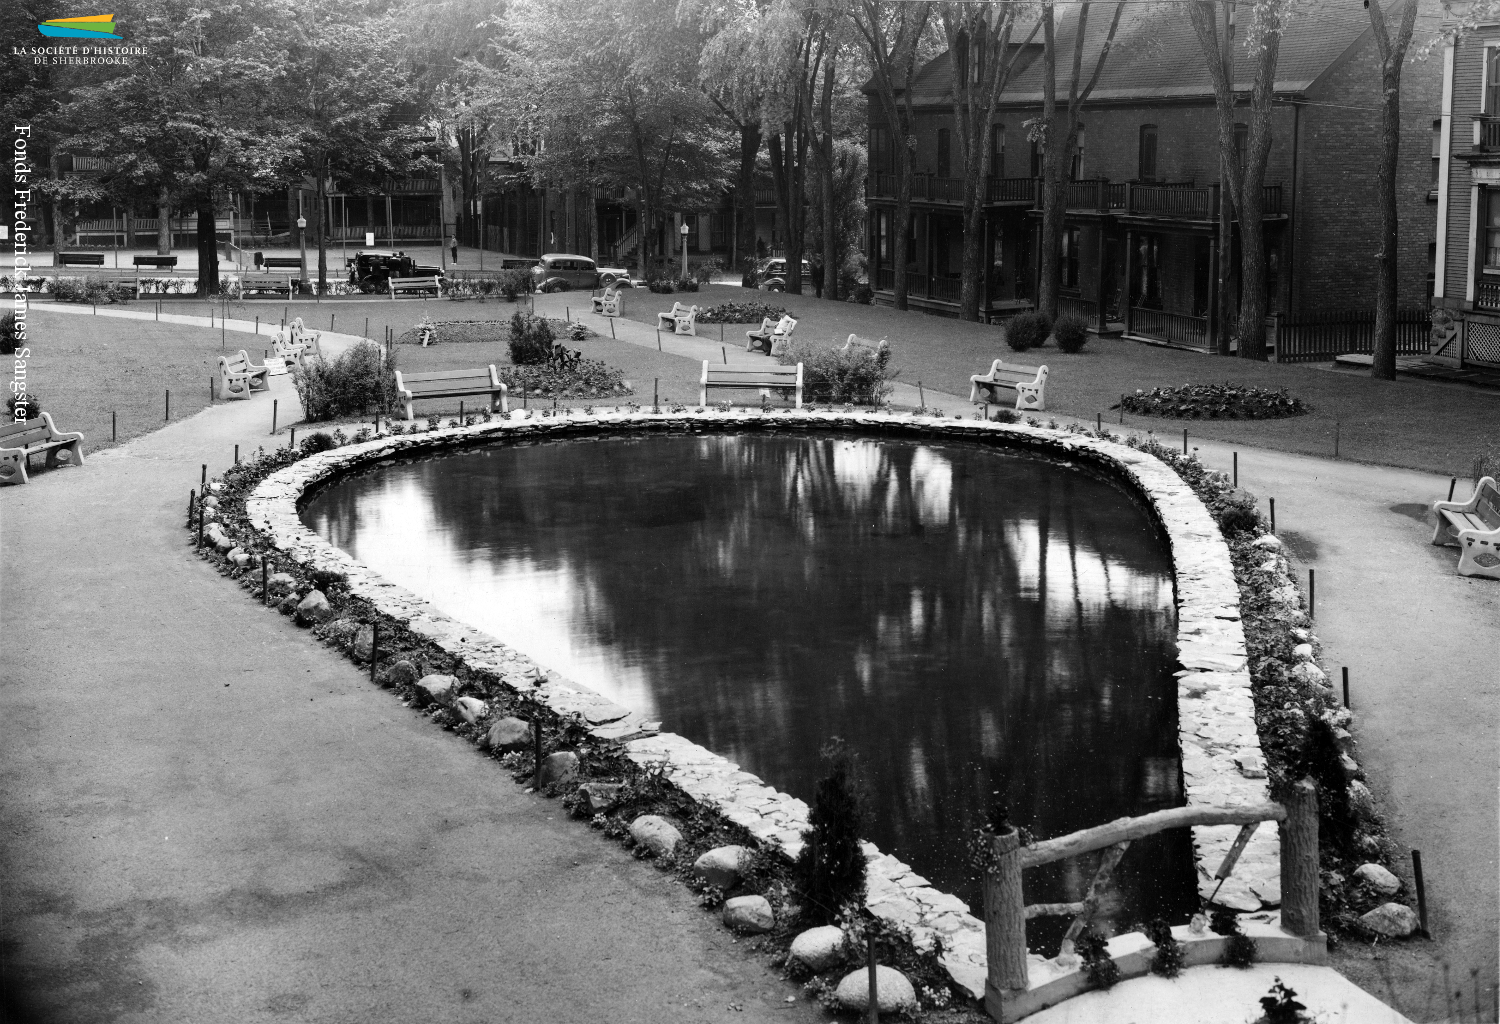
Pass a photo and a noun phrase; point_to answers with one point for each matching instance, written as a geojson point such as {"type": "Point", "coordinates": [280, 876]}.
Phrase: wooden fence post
{"type": "Point", "coordinates": [1004, 920]}
{"type": "Point", "coordinates": [1299, 860]}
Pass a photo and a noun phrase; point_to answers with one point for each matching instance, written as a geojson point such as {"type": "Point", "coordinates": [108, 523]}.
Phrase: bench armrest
{"type": "Point", "coordinates": [1466, 506]}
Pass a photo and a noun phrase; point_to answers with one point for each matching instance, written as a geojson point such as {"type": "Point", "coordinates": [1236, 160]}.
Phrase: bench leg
{"type": "Point", "coordinates": [1473, 550]}
{"type": "Point", "coordinates": [1441, 535]}
{"type": "Point", "coordinates": [234, 387]}
{"type": "Point", "coordinates": [1028, 398]}
{"type": "Point", "coordinates": [68, 455]}
{"type": "Point", "coordinates": [703, 397]}
{"type": "Point", "coordinates": [408, 412]}
{"type": "Point", "coordinates": [13, 468]}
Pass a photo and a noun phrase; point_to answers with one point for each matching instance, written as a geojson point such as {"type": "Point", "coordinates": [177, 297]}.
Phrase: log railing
{"type": "Point", "coordinates": [1006, 912]}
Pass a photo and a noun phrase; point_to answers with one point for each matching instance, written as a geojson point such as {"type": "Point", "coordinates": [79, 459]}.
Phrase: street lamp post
{"type": "Point", "coordinates": [302, 244]}
{"type": "Point", "coordinates": [684, 232]}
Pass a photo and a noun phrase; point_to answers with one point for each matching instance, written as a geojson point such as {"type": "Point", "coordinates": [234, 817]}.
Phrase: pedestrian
{"type": "Point", "coordinates": [453, 246]}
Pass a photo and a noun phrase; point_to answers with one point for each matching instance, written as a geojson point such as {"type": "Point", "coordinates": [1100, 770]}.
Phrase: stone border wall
{"type": "Point", "coordinates": [1221, 757]}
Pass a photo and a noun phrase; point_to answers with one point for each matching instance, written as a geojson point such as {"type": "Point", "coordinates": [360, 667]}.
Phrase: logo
{"type": "Point", "coordinates": [95, 26]}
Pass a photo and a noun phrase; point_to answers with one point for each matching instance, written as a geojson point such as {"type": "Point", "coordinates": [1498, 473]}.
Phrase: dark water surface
{"type": "Point", "coordinates": [972, 621]}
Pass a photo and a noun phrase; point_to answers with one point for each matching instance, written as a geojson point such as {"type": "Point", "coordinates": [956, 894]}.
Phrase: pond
{"type": "Point", "coordinates": [975, 622]}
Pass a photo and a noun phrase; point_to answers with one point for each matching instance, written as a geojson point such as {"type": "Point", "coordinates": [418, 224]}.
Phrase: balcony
{"type": "Point", "coordinates": [1166, 200]}
{"type": "Point", "coordinates": [1486, 134]}
{"type": "Point", "coordinates": [409, 186]}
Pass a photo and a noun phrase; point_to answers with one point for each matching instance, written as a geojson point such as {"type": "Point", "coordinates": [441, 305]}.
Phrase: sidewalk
{"type": "Point", "coordinates": [211, 817]}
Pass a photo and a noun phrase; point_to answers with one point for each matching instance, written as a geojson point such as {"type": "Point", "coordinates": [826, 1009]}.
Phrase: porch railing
{"type": "Point", "coordinates": [1323, 336]}
{"type": "Point", "coordinates": [1008, 993]}
{"type": "Point", "coordinates": [1176, 328]}
{"type": "Point", "coordinates": [1079, 306]}
{"type": "Point", "coordinates": [1486, 133]}
{"type": "Point", "coordinates": [1176, 200]}
{"type": "Point", "coordinates": [1011, 190]}
{"type": "Point", "coordinates": [1487, 294]}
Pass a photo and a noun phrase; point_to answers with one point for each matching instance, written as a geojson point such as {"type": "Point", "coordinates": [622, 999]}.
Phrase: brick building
{"type": "Point", "coordinates": [1466, 289]}
{"type": "Point", "coordinates": [1141, 239]}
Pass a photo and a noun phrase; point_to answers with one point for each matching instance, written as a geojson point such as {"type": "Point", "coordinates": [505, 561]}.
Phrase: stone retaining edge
{"type": "Point", "coordinates": [1216, 718]}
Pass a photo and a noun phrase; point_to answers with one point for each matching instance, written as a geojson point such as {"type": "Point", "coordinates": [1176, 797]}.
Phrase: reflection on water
{"type": "Point", "coordinates": [974, 622]}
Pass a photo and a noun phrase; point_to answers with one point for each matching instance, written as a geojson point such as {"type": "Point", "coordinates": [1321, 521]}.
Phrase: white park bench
{"type": "Point", "coordinates": [679, 319]}
{"type": "Point", "coordinates": [238, 376]}
{"type": "Point", "coordinates": [20, 439]}
{"type": "Point", "coordinates": [1028, 382]}
{"type": "Point", "coordinates": [415, 284]}
{"type": "Point", "coordinates": [1474, 525]}
{"type": "Point", "coordinates": [771, 336]}
{"type": "Point", "coordinates": [452, 384]}
{"type": "Point", "coordinates": [611, 303]}
{"type": "Point", "coordinates": [295, 344]}
{"type": "Point", "coordinates": [873, 347]}
{"type": "Point", "coordinates": [762, 378]}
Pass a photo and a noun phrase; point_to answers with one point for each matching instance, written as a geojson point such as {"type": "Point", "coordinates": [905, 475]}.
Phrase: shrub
{"type": "Point", "coordinates": [28, 401]}
{"type": "Point", "coordinates": [704, 272]}
{"type": "Point", "coordinates": [1241, 951]}
{"type": "Point", "coordinates": [1167, 960]}
{"type": "Point", "coordinates": [855, 375]}
{"type": "Point", "coordinates": [91, 290]}
{"type": "Point", "coordinates": [513, 283]}
{"type": "Point", "coordinates": [8, 342]}
{"type": "Point", "coordinates": [660, 285]}
{"type": "Point", "coordinates": [531, 339]}
{"type": "Point", "coordinates": [830, 870]}
{"type": "Point", "coordinates": [1281, 1006]}
{"type": "Point", "coordinates": [1026, 331]}
{"type": "Point", "coordinates": [314, 443]}
{"type": "Point", "coordinates": [863, 294]}
{"type": "Point", "coordinates": [352, 383]}
{"type": "Point", "coordinates": [685, 284]}
{"type": "Point", "coordinates": [740, 313]}
{"type": "Point", "coordinates": [1071, 332]}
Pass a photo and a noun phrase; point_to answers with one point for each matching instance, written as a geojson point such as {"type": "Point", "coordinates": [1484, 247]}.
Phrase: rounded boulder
{"type": "Point", "coordinates": [508, 734]}
{"type": "Point", "coordinates": [749, 914]}
{"type": "Point", "coordinates": [656, 834]}
{"type": "Point", "coordinates": [893, 993]}
{"type": "Point", "coordinates": [1378, 878]}
{"type": "Point", "coordinates": [1392, 919]}
{"type": "Point", "coordinates": [558, 768]}
{"type": "Point", "coordinates": [820, 948]}
{"type": "Point", "coordinates": [436, 688]}
{"type": "Point", "coordinates": [313, 608]}
{"type": "Point", "coordinates": [721, 866]}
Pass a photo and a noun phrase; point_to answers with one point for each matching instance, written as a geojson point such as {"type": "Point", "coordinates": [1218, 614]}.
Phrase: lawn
{"type": "Point", "coordinates": [1416, 424]}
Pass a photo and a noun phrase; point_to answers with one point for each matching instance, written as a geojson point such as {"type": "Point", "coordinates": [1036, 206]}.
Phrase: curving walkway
{"type": "Point", "coordinates": [208, 816]}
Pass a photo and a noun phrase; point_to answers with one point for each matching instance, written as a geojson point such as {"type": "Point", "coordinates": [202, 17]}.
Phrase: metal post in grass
{"type": "Point", "coordinates": [1098, 422]}
{"type": "Point", "coordinates": [1184, 440]}
{"type": "Point", "coordinates": [367, 328]}
{"type": "Point", "coordinates": [236, 455]}
{"type": "Point", "coordinates": [1416, 870]}
{"type": "Point", "coordinates": [168, 414]}
{"type": "Point", "coordinates": [1346, 686]}
{"type": "Point", "coordinates": [293, 442]}
{"type": "Point", "coordinates": [210, 391]}
{"type": "Point", "coordinates": [655, 394]}
{"type": "Point", "coordinates": [274, 403]}
{"type": "Point", "coordinates": [460, 412]}
{"type": "Point", "coordinates": [192, 500]}
{"type": "Point", "coordinates": [1273, 515]}
{"type": "Point", "coordinates": [921, 395]}
{"type": "Point", "coordinates": [1312, 593]}
{"type": "Point", "coordinates": [205, 475]}
{"type": "Point", "coordinates": [721, 333]}
{"type": "Point", "coordinates": [725, 352]}
{"type": "Point", "coordinates": [1452, 483]}
{"type": "Point", "coordinates": [1236, 469]}
{"type": "Point", "coordinates": [658, 339]}
{"type": "Point", "coordinates": [114, 434]}
{"type": "Point", "coordinates": [200, 524]}
{"type": "Point", "coordinates": [257, 326]}
{"type": "Point", "coordinates": [331, 317]}
{"type": "Point", "coordinates": [612, 329]}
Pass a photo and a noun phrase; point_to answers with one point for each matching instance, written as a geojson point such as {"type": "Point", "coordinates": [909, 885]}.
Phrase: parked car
{"type": "Point", "coordinates": [609, 275]}
{"type": "Point", "coordinates": [370, 269]}
{"type": "Point", "coordinates": [561, 271]}
{"type": "Point", "coordinates": [770, 275]}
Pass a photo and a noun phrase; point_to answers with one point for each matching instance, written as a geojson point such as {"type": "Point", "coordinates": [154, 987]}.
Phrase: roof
{"type": "Point", "coordinates": [1156, 55]}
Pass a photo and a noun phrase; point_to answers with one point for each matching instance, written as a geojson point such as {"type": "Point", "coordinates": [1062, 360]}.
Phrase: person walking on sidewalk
{"type": "Point", "coordinates": [453, 246]}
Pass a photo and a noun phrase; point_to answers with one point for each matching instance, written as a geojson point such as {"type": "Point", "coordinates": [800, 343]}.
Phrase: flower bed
{"type": "Point", "coordinates": [589, 378]}
{"type": "Point", "coordinates": [1216, 401]}
{"type": "Point", "coordinates": [740, 313]}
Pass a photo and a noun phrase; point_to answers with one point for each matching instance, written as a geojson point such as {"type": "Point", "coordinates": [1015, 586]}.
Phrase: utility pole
{"type": "Point", "coordinates": [1226, 226]}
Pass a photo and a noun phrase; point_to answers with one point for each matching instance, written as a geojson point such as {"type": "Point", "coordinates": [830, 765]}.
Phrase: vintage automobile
{"type": "Point", "coordinates": [611, 275]}
{"type": "Point", "coordinates": [770, 275]}
{"type": "Point", "coordinates": [561, 271]}
{"type": "Point", "coordinates": [370, 269]}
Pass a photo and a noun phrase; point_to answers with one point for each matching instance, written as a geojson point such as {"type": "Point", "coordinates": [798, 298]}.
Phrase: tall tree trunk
{"type": "Point", "coordinates": [208, 247]}
{"type": "Point", "coordinates": [642, 213]}
{"type": "Point", "coordinates": [593, 223]}
{"type": "Point", "coordinates": [973, 246]}
{"type": "Point", "coordinates": [58, 228]}
{"type": "Point", "coordinates": [1392, 56]}
{"type": "Point", "coordinates": [744, 200]}
{"type": "Point", "coordinates": [1054, 197]}
{"type": "Point", "coordinates": [163, 224]}
{"type": "Point", "coordinates": [320, 229]}
{"type": "Point", "coordinates": [832, 256]}
{"type": "Point", "coordinates": [899, 285]}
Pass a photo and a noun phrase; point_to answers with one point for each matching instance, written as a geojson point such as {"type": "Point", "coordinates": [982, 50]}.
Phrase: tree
{"type": "Point", "coordinates": [1246, 185]}
{"type": "Point", "coordinates": [791, 135]}
{"type": "Point", "coordinates": [1392, 57]}
{"type": "Point", "coordinates": [980, 62]}
{"type": "Point", "coordinates": [336, 82]}
{"type": "Point", "coordinates": [890, 34]}
{"type": "Point", "coordinates": [1060, 138]}
{"type": "Point", "coordinates": [191, 114]}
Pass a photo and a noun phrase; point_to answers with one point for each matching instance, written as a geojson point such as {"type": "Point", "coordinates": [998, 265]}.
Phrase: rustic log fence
{"type": "Point", "coordinates": [1010, 993]}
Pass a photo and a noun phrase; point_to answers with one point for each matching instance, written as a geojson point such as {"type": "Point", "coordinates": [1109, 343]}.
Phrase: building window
{"type": "Point", "coordinates": [944, 166]}
{"type": "Point", "coordinates": [1437, 151]}
{"type": "Point", "coordinates": [1068, 257]}
{"type": "Point", "coordinates": [1492, 81]}
{"type": "Point", "coordinates": [1241, 147]}
{"type": "Point", "coordinates": [883, 237]}
{"type": "Point", "coordinates": [1146, 162]}
{"type": "Point", "coordinates": [1492, 229]}
{"type": "Point", "coordinates": [1075, 170]}
{"type": "Point", "coordinates": [997, 151]}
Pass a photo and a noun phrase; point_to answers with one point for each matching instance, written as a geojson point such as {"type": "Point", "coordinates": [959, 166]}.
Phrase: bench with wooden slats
{"type": "Point", "coordinates": [415, 284]}
{"type": "Point", "coordinates": [1474, 525]}
{"type": "Point", "coordinates": [786, 378]}
{"type": "Point", "coordinates": [772, 335]}
{"type": "Point", "coordinates": [282, 262]}
{"type": "Point", "coordinates": [156, 261]}
{"type": "Point", "coordinates": [80, 259]}
{"type": "Point", "coordinates": [238, 377]}
{"type": "Point", "coordinates": [21, 439]}
{"type": "Point", "coordinates": [855, 342]}
{"type": "Point", "coordinates": [1028, 382]}
{"type": "Point", "coordinates": [452, 384]}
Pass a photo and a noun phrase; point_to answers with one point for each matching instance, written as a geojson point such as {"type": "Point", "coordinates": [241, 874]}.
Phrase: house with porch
{"type": "Point", "coordinates": [1466, 286]}
{"type": "Point", "coordinates": [1142, 236]}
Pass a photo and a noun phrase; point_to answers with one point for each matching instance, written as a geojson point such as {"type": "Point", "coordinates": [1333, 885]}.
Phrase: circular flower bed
{"type": "Point", "coordinates": [740, 313]}
{"type": "Point", "coordinates": [588, 378]}
{"type": "Point", "coordinates": [1216, 402]}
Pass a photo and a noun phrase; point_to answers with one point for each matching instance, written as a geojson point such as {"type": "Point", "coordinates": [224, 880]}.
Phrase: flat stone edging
{"type": "Point", "coordinates": [1216, 717]}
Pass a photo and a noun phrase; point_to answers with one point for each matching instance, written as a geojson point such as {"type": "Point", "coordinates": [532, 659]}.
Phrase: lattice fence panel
{"type": "Point", "coordinates": [1482, 343]}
